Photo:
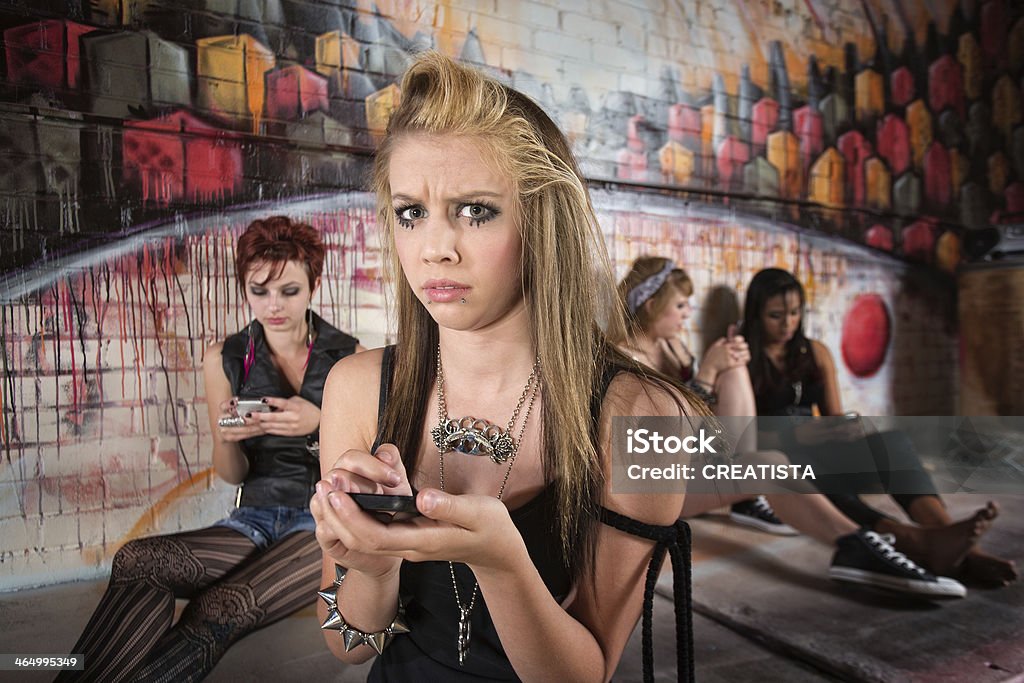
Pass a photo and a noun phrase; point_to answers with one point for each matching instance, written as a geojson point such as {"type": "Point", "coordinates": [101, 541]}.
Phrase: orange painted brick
{"type": "Point", "coordinates": [1006, 111]}
{"type": "Point", "coordinates": [379, 107]}
{"type": "Point", "coordinates": [869, 94]}
{"type": "Point", "coordinates": [878, 183]}
{"type": "Point", "coordinates": [969, 55]}
{"type": "Point", "coordinates": [919, 120]}
{"type": "Point", "coordinates": [828, 176]}
{"type": "Point", "coordinates": [676, 163]}
{"type": "Point", "coordinates": [784, 154]}
{"type": "Point", "coordinates": [230, 72]}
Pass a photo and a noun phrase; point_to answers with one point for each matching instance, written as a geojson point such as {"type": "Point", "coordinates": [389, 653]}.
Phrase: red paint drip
{"type": "Point", "coordinates": [68, 312]}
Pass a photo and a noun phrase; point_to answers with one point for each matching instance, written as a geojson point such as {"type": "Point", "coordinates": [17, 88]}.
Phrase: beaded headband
{"type": "Point", "coordinates": [646, 289]}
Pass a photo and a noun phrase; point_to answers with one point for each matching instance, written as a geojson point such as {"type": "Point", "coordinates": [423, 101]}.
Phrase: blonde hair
{"type": "Point", "coordinates": [641, 320]}
{"type": "Point", "coordinates": [567, 279]}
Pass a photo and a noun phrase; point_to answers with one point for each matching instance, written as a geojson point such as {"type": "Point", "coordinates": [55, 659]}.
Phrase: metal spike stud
{"type": "Point", "coordinates": [334, 621]}
{"type": "Point", "coordinates": [353, 639]}
{"type": "Point", "coordinates": [329, 596]}
{"type": "Point", "coordinates": [376, 640]}
{"type": "Point", "coordinates": [399, 625]}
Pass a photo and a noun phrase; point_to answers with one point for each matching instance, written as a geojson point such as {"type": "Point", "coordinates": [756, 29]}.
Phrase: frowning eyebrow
{"type": "Point", "coordinates": [464, 197]}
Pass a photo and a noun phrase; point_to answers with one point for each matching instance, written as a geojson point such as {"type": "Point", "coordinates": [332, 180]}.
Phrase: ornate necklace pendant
{"type": "Point", "coordinates": [465, 630]}
{"type": "Point", "coordinates": [473, 436]}
{"type": "Point", "coordinates": [503, 447]}
{"type": "Point", "coordinates": [440, 434]}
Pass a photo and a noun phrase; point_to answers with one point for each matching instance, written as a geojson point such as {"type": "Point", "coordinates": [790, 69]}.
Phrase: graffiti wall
{"type": "Point", "coordinates": [840, 140]}
{"type": "Point", "coordinates": [105, 432]}
{"type": "Point", "coordinates": [891, 122]}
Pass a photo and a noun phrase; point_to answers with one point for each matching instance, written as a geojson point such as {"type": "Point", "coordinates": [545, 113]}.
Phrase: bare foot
{"type": "Point", "coordinates": [941, 549]}
{"type": "Point", "coordinates": [980, 567]}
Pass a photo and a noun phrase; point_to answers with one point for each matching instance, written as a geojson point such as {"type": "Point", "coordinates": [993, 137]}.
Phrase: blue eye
{"type": "Point", "coordinates": [405, 215]}
{"type": "Point", "coordinates": [478, 213]}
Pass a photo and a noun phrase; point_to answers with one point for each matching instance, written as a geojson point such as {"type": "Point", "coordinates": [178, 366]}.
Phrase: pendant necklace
{"type": "Point", "coordinates": [471, 435]}
{"type": "Point", "coordinates": [478, 437]}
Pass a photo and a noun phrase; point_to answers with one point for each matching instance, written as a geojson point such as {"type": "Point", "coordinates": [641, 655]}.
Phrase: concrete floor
{"type": "Point", "coordinates": [765, 611]}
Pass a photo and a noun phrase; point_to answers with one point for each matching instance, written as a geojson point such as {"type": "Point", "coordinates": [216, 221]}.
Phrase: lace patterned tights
{"type": "Point", "coordinates": [232, 588]}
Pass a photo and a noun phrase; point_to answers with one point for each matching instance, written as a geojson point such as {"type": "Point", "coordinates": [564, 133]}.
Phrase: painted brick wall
{"type": "Point", "coordinates": [859, 118]}
{"type": "Point", "coordinates": [104, 417]}
{"type": "Point", "coordinates": [139, 134]}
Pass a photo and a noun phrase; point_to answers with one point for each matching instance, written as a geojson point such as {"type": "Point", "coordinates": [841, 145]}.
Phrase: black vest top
{"type": "Point", "coordinates": [428, 652]}
{"type": "Point", "coordinates": [282, 470]}
{"type": "Point", "coordinates": [778, 397]}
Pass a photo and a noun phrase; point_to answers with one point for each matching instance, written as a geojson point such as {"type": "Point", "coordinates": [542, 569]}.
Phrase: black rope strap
{"type": "Point", "coordinates": [675, 540]}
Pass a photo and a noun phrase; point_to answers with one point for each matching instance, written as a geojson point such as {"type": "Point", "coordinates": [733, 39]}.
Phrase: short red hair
{"type": "Point", "coordinates": [278, 240]}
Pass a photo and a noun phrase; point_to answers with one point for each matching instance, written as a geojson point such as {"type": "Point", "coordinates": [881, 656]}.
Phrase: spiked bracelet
{"type": "Point", "coordinates": [353, 637]}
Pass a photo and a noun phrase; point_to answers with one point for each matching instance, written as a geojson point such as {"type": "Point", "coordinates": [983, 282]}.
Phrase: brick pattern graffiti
{"type": "Point", "coordinates": [891, 122]}
{"type": "Point", "coordinates": [110, 357]}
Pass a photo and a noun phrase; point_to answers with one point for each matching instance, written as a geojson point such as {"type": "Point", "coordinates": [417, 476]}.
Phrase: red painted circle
{"type": "Point", "coordinates": [866, 335]}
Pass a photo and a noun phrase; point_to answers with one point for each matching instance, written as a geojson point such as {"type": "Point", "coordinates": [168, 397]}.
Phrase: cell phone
{"type": "Point", "coordinates": [376, 502]}
{"type": "Point", "coordinates": [252, 405]}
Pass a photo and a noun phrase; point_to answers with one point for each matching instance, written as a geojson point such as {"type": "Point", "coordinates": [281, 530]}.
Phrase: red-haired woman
{"type": "Point", "coordinates": [262, 563]}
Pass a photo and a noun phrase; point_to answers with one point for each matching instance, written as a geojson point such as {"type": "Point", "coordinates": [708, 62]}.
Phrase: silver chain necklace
{"type": "Point", "coordinates": [474, 436]}
{"type": "Point", "coordinates": [532, 385]}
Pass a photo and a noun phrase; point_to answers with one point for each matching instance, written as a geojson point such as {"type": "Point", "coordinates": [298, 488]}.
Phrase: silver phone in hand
{"type": "Point", "coordinates": [246, 406]}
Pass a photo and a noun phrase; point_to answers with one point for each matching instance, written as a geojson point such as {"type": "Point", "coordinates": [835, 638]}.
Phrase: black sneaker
{"type": "Point", "coordinates": [869, 558]}
{"type": "Point", "coordinates": [759, 514]}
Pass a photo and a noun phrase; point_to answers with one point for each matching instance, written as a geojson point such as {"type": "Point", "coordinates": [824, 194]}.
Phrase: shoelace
{"type": "Point", "coordinates": [884, 544]}
{"type": "Point", "coordinates": [761, 505]}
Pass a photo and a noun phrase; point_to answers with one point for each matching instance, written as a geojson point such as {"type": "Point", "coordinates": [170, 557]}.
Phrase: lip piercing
{"type": "Point", "coordinates": [462, 301]}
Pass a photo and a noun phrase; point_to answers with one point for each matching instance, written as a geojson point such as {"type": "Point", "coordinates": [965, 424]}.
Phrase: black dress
{"type": "Point", "coordinates": [428, 652]}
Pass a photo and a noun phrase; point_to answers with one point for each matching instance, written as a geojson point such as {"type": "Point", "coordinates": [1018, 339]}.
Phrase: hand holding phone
{"type": "Point", "coordinates": [246, 406]}
{"type": "Point", "coordinates": [376, 502]}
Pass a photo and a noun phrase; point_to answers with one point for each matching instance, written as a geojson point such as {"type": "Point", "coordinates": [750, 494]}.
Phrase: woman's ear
{"type": "Point", "coordinates": [316, 286]}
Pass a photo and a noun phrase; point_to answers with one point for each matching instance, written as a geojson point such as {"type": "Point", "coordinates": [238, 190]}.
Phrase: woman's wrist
{"type": "Point", "coordinates": [347, 619]}
{"type": "Point", "coordinates": [706, 375]}
{"type": "Point", "coordinates": [383, 578]}
{"type": "Point", "coordinates": [515, 562]}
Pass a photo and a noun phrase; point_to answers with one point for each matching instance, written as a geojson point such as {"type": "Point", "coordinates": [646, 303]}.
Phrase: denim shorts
{"type": "Point", "coordinates": [266, 525]}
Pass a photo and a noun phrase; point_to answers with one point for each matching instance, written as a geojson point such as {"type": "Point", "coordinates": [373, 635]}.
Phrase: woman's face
{"type": "Point", "coordinates": [781, 317]}
{"type": "Point", "coordinates": [279, 304]}
{"type": "Point", "coordinates": [673, 319]}
{"type": "Point", "coordinates": [455, 230]}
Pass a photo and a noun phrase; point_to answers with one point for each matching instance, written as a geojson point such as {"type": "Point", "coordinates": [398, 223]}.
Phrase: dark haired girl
{"type": "Point", "coordinates": [794, 375]}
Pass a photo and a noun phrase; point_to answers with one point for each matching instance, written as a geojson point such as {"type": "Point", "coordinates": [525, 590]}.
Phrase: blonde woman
{"type": "Point", "coordinates": [495, 405]}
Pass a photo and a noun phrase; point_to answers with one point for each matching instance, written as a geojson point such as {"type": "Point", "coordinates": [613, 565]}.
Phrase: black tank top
{"type": "Point", "coordinates": [797, 397]}
{"type": "Point", "coordinates": [282, 470]}
{"type": "Point", "coordinates": [428, 652]}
